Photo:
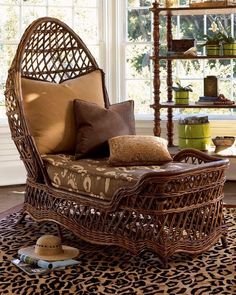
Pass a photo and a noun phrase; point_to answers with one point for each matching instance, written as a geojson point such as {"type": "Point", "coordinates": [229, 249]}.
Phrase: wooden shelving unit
{"type": "Point", "coordinates": [172, 105]}
{"type": "Point", "coordinates": [156, 57]}
{"type": "Point", "coordinates": [182, 57]}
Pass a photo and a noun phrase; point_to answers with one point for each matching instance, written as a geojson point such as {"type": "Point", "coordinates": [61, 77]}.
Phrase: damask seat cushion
{"type": "Point", "coordinates": [95, 177]}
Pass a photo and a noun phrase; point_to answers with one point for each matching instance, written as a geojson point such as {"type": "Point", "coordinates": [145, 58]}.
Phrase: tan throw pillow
{"type": "Point", "coordinates": [95, 125]}
{"type": "Point", "coordinates": [88, 87]}
{"type": "Point", "coordinates": [138, 150]}
{"type": "Point", "coordinates": [49, 109]}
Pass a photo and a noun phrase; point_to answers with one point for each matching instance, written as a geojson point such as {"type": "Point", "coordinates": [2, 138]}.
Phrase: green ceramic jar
{"type": "Point", "coordinates": [229, 49]}
{"type": "Point", "coordinates": [181, 97]}
{"type": "Point", "coordinates": [196, 136]}
{"type": "Point", "coordinates": [213, 50]}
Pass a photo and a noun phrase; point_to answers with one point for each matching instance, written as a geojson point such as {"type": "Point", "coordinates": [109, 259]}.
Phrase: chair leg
{"type": "Point", "coordinates": [59, 232]}
{"type": "Point", "coordinates": [21, 217]}
{"type": "Point", "coordinates": [224, 241]}
{"type": "Point", "coordinates": [164, 263]}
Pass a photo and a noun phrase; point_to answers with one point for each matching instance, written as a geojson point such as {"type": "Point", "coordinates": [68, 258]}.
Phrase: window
{"type": "Point", "coordinates": [84, 16]}
{"type": "Point", "coordinates": [132, 69]}
{"type": "Point", "coordinates": [136, 72]}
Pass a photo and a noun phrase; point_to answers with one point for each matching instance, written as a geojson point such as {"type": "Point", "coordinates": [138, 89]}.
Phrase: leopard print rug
{"type": "Point", "coordinates": [111, 270]}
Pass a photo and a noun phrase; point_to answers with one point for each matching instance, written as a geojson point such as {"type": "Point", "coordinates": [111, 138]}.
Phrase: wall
{"type": "Point", "coordinates": [12, 170]}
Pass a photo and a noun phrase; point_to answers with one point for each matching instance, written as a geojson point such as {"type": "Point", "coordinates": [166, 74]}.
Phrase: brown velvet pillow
{"type": "Point", "coordinates": [138, 150]}
{"type": "Point", "coordinates": [95, 125]}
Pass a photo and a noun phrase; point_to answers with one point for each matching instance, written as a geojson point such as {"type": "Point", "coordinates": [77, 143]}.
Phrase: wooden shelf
{"type": "Point", "coordinates": [179, 57]}
{"type": "Point", "coordinates": [191, 106]}
{"type": "Point", "coordinates": [169, 104]}
{"type": "Point", "coordinates": [186, 10]}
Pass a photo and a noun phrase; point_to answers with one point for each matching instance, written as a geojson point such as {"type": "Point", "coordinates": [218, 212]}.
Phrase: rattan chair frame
{"type": "Point", "coordinates": [166, 212]}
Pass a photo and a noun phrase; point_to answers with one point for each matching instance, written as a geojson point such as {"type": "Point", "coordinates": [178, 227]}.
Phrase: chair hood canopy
{"type": "Point", "coordinates": [49, 51]}
{"type": "Point", "coordinates": [53, 52]}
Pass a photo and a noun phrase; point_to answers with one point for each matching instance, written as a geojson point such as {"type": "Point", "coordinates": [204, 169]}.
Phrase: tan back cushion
{"type": "Point", "coordinates": [49, 109]}
{"type": "Point", "coordinates": [89, 87]}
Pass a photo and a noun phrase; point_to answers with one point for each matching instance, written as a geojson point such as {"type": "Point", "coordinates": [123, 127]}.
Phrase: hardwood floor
{"type": "Point", "coordinates": [230, 194]}
{"type": "Point", "coordinates": [10, 196]}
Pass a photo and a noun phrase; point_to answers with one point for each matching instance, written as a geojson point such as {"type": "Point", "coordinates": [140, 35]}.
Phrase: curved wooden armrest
{"type": "Point", "coordinates": [194, 156]}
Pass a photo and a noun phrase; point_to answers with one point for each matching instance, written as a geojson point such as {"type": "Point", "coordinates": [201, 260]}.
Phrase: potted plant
{"type": "Point", "coordinates": [181, 93]}
{"type": "Point", "coordinates": [228, 43]}
{"type": "Point", "coordinates": [213, 41]}
{"type": "Point", "coordinates": [212, 45]}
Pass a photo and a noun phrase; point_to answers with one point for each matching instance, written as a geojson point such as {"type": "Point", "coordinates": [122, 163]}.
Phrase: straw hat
{"type": "Point", "coordinates": [49, 247]}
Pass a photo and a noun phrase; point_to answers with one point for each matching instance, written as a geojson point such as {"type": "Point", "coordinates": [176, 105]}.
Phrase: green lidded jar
{"type": "Point", "coordinates": [194, 135]}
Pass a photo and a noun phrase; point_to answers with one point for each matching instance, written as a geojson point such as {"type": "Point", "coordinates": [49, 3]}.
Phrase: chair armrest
{"type": "Point", "coordinates": [193, 156]}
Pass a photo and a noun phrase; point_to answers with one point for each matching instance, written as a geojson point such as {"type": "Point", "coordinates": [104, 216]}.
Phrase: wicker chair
{"type": "Point", "coordinates": [166, 211]}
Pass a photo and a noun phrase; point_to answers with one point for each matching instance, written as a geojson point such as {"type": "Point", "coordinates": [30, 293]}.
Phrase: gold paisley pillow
{"type": "Point", "coordinates": [131, 150]}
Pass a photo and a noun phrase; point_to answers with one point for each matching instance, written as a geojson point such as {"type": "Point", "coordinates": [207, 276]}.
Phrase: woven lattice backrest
{"type": "Point", "coordinates": [48, 51]}
{"type": "Point", "coordinates": [53, 52]}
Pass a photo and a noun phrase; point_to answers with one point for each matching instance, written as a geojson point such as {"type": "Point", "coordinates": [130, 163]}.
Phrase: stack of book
{"type": "Point", "coordinates": [207, 100]}
{"type": "Point", "coordinates": [33, 266]}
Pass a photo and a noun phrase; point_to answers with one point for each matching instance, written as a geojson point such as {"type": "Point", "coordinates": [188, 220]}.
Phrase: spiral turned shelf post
{"type": "Point", "coordinates": [170, 124]}
{"type": "Point", "coordinates": [156, 71]}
